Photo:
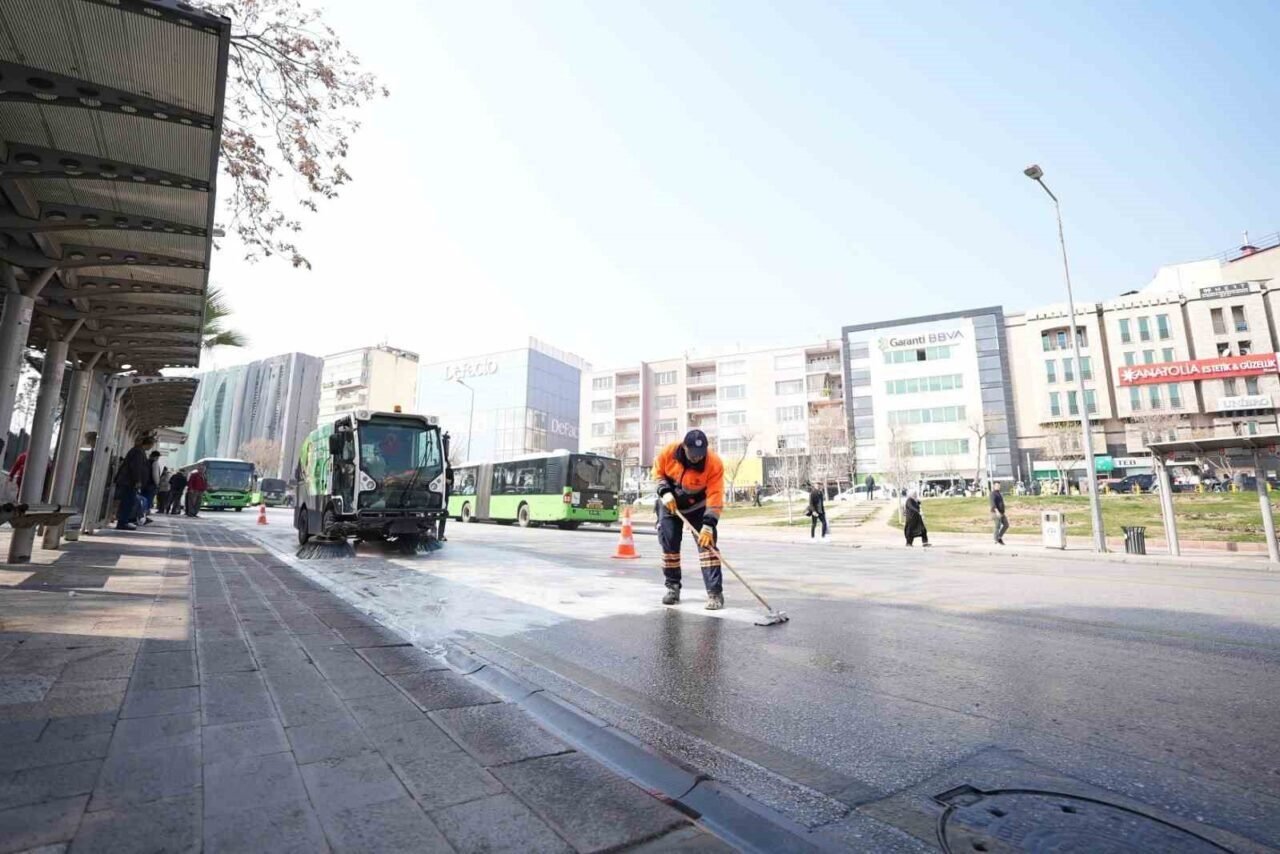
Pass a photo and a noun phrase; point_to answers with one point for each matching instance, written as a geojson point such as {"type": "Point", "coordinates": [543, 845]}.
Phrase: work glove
{"type": "Point", "coordinates": [670, 501]}
{"type": "Point", "coordinates": [706, 537]}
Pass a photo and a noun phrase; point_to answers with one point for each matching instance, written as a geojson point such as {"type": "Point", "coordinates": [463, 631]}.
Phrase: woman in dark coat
{"type": "Point", "coordinates": [913, 521]}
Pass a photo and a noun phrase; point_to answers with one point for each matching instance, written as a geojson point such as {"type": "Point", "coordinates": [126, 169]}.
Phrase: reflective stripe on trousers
{"type": "Point", "coordinates": [671, 535]}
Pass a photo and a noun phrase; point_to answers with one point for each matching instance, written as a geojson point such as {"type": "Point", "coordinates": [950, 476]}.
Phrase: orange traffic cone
{"type": "Point", "coordinates": [262, 513]}
{"type": "Point", "coordinates": [626, 541]}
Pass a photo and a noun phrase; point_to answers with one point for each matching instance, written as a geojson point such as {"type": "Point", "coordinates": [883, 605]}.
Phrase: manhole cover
{"type": "Point", "coordinates": [1032, 820]}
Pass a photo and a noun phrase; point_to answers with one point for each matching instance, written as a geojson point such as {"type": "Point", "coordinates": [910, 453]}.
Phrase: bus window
{"type": "Point", "coordinates": [596, 473]}
{"type": "Point", "coordinates": [464, 482]}
{"type": "Point", "coordinates": [530, 479]}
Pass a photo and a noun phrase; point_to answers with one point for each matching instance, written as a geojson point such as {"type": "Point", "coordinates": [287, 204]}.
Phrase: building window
{"type": "Point", "coordinates": [859, 350]}
{"type": "Point", "coordinates": [1144, 329]}
{"type": "Point", "coordinates": [939, 448]}
{"type": "Point", "coordinates": [1237, 319]}
{"type": "Point", "coordinates": [792, 442]}
{"type": "Point", "coordinates": [1073, 403]}
{"type": "Point", "coordinates": [790, 413]}
{"type": "Point", "coordinates": [1055, 404]}
{"type": "Point", "coordinates": [1244, 348]}
{"type": "Point", "coordinates": [1153, 394]}
{"type": "Point", "coordinates": [1168, 354]}
{"type": "Point", "coordinates": [665, 378]}
{"type": "Point", "coordinates": [732, 447]}
{"type": "Point", "coordinates": [733, 392]}
{"type": "Point", "coordinates": [1219, 325]}
{"type": "Point", "coordinates": [923, 354]}
{"type": "Point", "coordinates": [1086, 368]}
{"type": "Point", "coordinates": [1162, 327]}
{"type": "Point", "coordinates": [602, 405]}
{"type": "Point", "coordinates": [933, 415]}
{"type": "Point", "coordinates": [1051, 370]}
{"type": "Point", "coordinates": [1229, 387]}
{"type": "Point", "coordinates": [1253, 428]}
{"type": "Point", "coordinates": [601, 429]}
{"type": "Point", "coordinates": [1224, 350]}
{"type": "Point", "coordinates": [860, 378]}
{"type": "Point", "coordinates": [1135, 398]}
{"type": "Point", "coordinates": [1129, 358]}
{"type": "Point", "coordinates": [1175, 396]}
{"type": "Point", "coordinates": [1126, 336]}
{"type": "Point", "coordinates": [1250, 385]}
{"type": "Point", "coordinates": [602, 383]}
{"type": "Point", "coordinates": [916, 385]}
{"type": "Point", "coordinates": [1148, 357]}
{"type": "Point", "coordinates": [667, 401]}
{"type": "Point", "coordinates": [733, 419]}
{"type": "Point", "coordinates": [786, 387]}
{"type": "Point", "coordinates": [667, 425]}
{"type": "Point", "coordinates": [736, 368]}
{"type": "Point", "coordinates": [788, 362]}
{"type": "Point", "coordinates": [1091, 401]}
{"type": "Point", "coordinates": [1068, 371]}
{"type": "Point", "coordinates": [1056, 339]}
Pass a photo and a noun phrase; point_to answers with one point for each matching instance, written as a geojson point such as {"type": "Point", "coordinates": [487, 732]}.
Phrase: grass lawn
{"type": "Point", "coordinates": [1213, 516]}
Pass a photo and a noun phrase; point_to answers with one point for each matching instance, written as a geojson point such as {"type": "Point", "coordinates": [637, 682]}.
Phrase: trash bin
{"type": "Point", "coordinates": [1053, 529]}
{"type": "Point", "coordinates": [1135, 539]}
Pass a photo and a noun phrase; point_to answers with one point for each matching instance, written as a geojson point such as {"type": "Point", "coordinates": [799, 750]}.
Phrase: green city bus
{"type": "Point", "coordinates": [560, 488]}
{"type": "Point", "coordinates": [231, 483]}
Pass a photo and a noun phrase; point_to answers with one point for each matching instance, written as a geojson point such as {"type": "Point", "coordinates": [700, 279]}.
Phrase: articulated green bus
{"type": "Point", "coordinates": [559, 488]}
{"type": "Point", "coordinates": [231, 483]}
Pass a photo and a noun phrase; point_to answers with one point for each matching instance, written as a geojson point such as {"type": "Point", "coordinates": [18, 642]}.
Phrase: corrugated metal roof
{"type": "Point", "coordinates": [112, 107]}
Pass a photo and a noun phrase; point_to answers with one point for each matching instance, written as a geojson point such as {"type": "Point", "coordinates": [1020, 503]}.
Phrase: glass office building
{"type": "Point", "coordinates": [501, 405]}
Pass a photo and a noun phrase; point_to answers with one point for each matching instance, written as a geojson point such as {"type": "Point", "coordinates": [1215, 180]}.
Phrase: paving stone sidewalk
{"type": "Point", "coordinates": [178, 689]}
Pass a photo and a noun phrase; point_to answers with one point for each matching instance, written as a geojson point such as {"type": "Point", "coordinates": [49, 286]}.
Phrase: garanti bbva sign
{"type": "Point", "coordinates": [1199, 369]}
{"type": "Point", "coordinates": [924, 339]}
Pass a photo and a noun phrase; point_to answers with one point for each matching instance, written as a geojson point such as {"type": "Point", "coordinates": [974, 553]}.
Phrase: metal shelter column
{"type": "Point", "coordinates": [15, 329]}
{"type": "Point", "coordinates": [102, 450]}
{"type": "Point", "coordinates": [1268, 521]}
{"type": "Point", "coordinates": [1166, 505]}
{"type": "Point", "coordinates": [55, 359]}
{"type": "Point", "coordinates": [69, 438]}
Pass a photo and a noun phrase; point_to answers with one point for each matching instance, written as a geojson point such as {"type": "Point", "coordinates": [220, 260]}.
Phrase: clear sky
{"type": "Point", "coordinates": [632, 180]}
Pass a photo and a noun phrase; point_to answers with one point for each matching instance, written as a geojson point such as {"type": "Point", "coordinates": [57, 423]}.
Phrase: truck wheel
{"type": "Point", "coordinates": [300, 522]}
{"type": "Point", "coordinates": [466, 513]}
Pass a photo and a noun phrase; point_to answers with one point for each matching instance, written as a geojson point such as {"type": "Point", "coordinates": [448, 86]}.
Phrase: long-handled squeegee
{"type": "Point", "coordinates": [771, 616]}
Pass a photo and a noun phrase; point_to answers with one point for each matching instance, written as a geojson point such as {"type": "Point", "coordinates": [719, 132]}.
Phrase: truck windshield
{"type": "Point", "coordinates": [398, 455]}
{"type": "Point", "coordinates": [229, 476]}
{"type": "Point", "coordinates": [595, 474]}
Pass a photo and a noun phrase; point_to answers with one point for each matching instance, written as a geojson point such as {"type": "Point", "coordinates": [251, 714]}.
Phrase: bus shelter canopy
{"type": "Point", "coordinates": [155, 402]}
{"type": "Point", "coordinates": [110, 120]}
{"type": "Point", "coordinates": [1266, 442]}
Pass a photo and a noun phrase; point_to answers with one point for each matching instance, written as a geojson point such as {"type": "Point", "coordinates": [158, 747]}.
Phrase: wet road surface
{"type": "Point", "coordinates": [899, 669]}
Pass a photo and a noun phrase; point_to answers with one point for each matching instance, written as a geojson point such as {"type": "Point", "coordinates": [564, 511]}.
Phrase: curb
{"type": "Point", "coordinates": [730, 815]}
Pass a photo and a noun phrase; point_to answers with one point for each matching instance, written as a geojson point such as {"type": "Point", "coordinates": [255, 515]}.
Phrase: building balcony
{"type": "Point", "coordinates": [701, 379]}
{"type": "Point", "coordinates": [701, 404]}
{"type": "Point", "coordinates": [621, 390]}
{"type": "Point", "coordinates": [822, 366]}
{"type": "Point", "coordinates": [627, 414]}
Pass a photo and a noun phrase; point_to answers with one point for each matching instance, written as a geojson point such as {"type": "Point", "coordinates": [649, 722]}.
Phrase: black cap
{"type": "Point", "coordinates": [696, 440]}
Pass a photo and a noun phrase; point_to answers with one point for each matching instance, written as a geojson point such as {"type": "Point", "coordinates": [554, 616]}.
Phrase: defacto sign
{"type": "Point", "coordinates": [564, 428]}
{"type": "Point", "coordinates": [1199, 369]}
{"type": "Point", "coordinates": [463, 370]}
{"type": "Point", "coordinates": [924, 339]}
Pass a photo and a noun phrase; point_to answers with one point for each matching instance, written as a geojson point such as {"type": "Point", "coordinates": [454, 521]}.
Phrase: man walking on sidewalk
{"type": "Point", "coordinates": [177, 483]}
{"type": "Point", "coordinates": [817, 511]}
{"type": "Point", "coordinates": [997, 512]}
{"type": "Point", "coordinates": [690, 479]}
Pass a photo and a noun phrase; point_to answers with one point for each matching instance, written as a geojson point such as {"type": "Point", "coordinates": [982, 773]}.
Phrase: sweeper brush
{"type": "Point", "coordinates": [320, 547]}
{"type": "Point", "coordinates": [772, 616]}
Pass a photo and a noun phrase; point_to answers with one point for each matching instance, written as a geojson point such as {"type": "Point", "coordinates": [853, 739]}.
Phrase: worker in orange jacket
{"type": "Point", "coordinates": [690, 477]}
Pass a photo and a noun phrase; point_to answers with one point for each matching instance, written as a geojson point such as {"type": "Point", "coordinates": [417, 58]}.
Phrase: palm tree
{"type": "Point", "coordinates": [216, 311]}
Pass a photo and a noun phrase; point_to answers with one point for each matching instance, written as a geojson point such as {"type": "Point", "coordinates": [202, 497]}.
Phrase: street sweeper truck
{"type": "Point", "coordinates": [371, 476]}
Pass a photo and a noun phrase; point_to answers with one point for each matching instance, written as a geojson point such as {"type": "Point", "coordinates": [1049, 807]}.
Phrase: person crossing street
{"type": "Point", "coordinates": [997, 513]}
{"type": "Point", "coordinates": [690, 479]}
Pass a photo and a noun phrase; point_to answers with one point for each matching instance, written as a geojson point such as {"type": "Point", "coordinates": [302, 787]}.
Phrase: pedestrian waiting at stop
{"type": "Point", "coordinates": [162, 492]}
{"type": "Point", "coordinates": [196, 486]}
{"type": "Point", "coordinates": [133, 475]}
{"type": "Point", "coordinates": [998, 514]}
{"type": "Point", "coordinates": [151, 488]}
{"type": "Point", "coordinates": [913, 520]}
{"type": "Point", "coordinates": [177, 483]}
{"type": "Point", "coordinates": [817, 511]}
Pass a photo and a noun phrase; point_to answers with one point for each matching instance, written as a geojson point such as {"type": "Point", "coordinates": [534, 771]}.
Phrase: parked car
{"type": "Point", "coordinates": [646, 501]}
{"type": "Point", "coordinates": [786, 495]}
{"type": "Point", "coordinates": [859, 493]}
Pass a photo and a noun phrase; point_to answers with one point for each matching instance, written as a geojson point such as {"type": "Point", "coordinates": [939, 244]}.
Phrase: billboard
{"type": "Point", "coordinates": [1199, 369]}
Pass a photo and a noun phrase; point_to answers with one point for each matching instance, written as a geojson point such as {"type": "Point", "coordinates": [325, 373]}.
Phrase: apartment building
{"type": "Point", "coordinates": [1191, 354]}
{"type": "Point", "coordinates": [375, 378]}
{"type": "Point", "coordinates": [750, 404]}
{"type": "Point", "coordinates": [929, 398]}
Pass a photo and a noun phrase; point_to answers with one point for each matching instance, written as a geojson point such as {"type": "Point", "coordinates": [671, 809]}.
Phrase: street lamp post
{"type": "Point", "coordinates": [471, 418]}
{"type": "Point", "coordinates": [1035, 173]}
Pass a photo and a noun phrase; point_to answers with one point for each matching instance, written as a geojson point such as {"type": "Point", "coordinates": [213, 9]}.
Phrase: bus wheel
{"type": "Point", "coordinates": [569, 526]}
{"type": "Point", "coordinates": [466, 513]}
{"type": "Point", "coordinates": [522, 516]}
{"type": "Point", "coordinates": [300, 522]}
{"type": "Point", "coordinates": [238, 509]}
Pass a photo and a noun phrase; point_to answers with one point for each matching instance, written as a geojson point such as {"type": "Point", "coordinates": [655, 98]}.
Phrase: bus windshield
{"type": "Point", "coordinates": [272, 484]}
{"type": "Point", "coordinates": [402, 458]}
{"type": "Point", "coordinates": [229, 476]}
{"type": "Point", "coordinates": [594, 474]}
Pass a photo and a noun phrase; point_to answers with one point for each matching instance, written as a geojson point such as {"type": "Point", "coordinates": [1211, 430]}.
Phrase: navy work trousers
{"type": "Point", "coordinates": [670, 535]}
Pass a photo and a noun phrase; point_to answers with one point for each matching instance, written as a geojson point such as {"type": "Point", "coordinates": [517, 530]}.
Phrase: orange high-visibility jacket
{"type": "Point", "coordinates": [693, 489]}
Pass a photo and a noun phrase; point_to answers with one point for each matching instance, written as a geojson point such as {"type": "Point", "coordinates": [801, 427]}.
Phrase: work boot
{"type": "Point", "coordinates": [672, 597]}
{"type": "Point", "coordinates": [715, 601]}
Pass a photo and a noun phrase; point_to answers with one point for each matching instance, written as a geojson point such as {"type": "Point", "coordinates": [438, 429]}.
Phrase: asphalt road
{"type": "Point", "coordinates": [901, 674]}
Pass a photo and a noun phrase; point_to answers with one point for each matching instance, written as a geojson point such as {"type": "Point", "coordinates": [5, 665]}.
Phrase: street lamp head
{"type": "Point", "coordinates": [1034, 172]}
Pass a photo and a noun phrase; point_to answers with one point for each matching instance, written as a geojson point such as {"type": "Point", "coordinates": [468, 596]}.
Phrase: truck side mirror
{"type": "Point", "coordinates": [335, 445]}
